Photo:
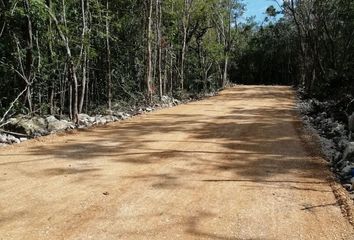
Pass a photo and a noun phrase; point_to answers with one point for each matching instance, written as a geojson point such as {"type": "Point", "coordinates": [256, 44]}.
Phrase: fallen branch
{"type": "Point", "coordinates": [13, 133]}
{"type": "Point", "coordinates": [11, 106]}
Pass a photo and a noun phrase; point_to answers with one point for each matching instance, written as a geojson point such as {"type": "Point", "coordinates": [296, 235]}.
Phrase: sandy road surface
{"type": "Point", "coordinates": [231, 167]}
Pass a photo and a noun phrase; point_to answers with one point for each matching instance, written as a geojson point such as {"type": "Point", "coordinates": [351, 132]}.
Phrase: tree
{"type": "Point", "coordinates": [67, 57]}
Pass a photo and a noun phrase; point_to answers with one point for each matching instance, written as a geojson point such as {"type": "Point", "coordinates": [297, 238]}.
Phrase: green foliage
{"type": "Point", "coordinates": [265, 55]}
{"type": "Point", "coordinates": [38, 34]}
{"type": "Point", "coordinates": [45, 45]}
{"type": "Point", "coordinates": [311, 46]}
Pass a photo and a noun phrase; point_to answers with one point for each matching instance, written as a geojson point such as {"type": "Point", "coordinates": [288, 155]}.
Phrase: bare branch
{"type": "Point", "coordinates": [2, 29]}
{"type": "Point", "coordinates": [11, 106]}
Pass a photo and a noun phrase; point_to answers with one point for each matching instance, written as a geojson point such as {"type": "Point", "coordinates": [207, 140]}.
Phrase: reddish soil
{"type": "Point", "coordinates": [234, 166]}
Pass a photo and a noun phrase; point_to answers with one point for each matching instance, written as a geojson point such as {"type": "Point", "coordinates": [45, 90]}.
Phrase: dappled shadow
{"type": "Point", "coordinates": [245, 135]}
{"type": "Point", "coordinates": [255, 141]}
{"type": "Point", "coordinates": [67, 171]}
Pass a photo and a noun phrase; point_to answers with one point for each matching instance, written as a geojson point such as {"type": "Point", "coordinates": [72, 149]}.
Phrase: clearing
{"type": "Point", "coordinates": [234, 166]}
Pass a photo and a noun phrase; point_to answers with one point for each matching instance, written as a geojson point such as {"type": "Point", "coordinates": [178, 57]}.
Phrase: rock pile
{"type": "Point", "coordinates": [10, 139]}
{"type": "Point", "coordinates": [31, 127]}
{"type": "Point", "coordinates": [21, 127]}
{"type": "Point", "coordinates": [334, 129]}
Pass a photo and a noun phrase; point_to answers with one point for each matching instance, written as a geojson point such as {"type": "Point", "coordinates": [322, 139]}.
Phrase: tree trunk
{"type": "Point", "coordinates": [29, 55]}
{"type": "Point", "coordinates": [171, 70]}
{"type": "Point", "coordinates": [165, 72]}
{"type": "Point", "coordinates": [159, 48]}
{"type": "Point", "coordinates": [51, 89]}
{"type": "Point", "coordinates": [87, 102]}
{"type": "Point", "coordinates": [149, 53]}
{"type": "Point", "coordinates": [83, 82]}
{"type": "Point", "coordinates": [84, 49]}
{"type": "Point", "coordinates": [71, 69]}
{"type": "Point", "coordinates": [75, 96]}
{"type": "Point", "coordinates": [226, 64]}
{"type": "Point", "coordinates": [70, 100]}
{"type": "Point", "coordinates": [109, 71]}
{"type": "Point", "coordinates": [183, 53]}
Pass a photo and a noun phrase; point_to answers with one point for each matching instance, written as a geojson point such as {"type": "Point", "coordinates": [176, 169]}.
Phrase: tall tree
{"type": "Point", "coordinates": [149, 51]}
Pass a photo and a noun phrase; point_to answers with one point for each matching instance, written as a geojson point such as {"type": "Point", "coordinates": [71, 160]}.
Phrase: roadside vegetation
{"type": "Point", "coordinates": [69, 57]}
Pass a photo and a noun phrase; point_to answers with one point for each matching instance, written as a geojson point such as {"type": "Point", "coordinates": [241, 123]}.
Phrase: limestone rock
{"type": "Point", "coordinates": [348, 154]}
{"type": "Point", "coordinates": [55, 125]}
{"type": "Point", "coordinates": [34, 126]}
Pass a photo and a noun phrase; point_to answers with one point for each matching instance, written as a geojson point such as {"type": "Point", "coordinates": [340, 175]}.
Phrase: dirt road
{"type": "Point", "coordinates": [233, 166]}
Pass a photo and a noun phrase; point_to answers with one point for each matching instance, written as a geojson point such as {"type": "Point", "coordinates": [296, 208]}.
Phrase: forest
{"type": "Point", "coordinates": [68, 57]}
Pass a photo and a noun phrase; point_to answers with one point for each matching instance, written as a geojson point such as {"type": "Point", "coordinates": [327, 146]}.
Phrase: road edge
{"type": "Point", "coordinates": [311, 143]}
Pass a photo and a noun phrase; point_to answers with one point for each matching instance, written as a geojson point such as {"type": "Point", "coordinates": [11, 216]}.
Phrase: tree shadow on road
{"type": "Point", "coordinates": [256, 142]}
{"type": "Point", "coordinates": [259, 144]}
